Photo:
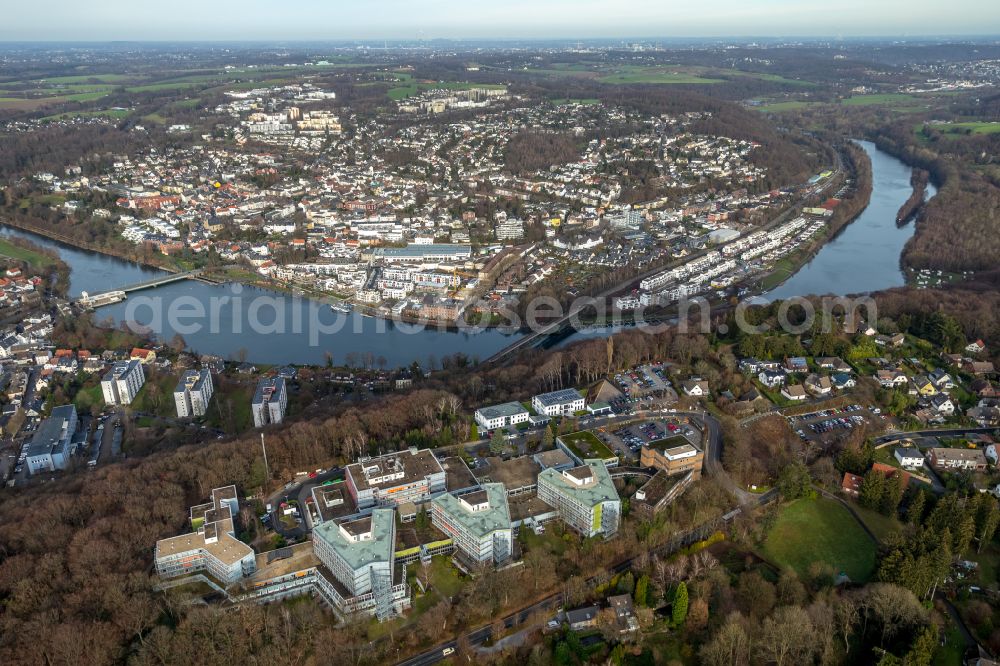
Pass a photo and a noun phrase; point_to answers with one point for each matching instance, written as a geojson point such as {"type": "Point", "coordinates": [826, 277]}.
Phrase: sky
{"type": "Point", "coordinates": [104, 20]}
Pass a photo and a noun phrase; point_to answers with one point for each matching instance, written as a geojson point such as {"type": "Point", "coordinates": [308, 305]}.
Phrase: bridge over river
{"type": "Point", "coordinates": [119, 294]}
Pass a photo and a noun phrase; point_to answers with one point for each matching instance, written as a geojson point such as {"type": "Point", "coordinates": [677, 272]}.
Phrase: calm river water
{"type": "Point", "coordinates": [276, 328]}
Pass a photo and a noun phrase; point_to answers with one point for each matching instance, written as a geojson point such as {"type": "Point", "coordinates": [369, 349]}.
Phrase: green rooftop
{"type": "Point", "coordinates": [478, 523]}
{"type": "Point", "coordinates": [357, 554]}
{"type": "Point", "coordinates": [585, 445]}
{"type": "Point", "coordinates": [601, 489]}
{"type": "Point", "coordinates": [671, 442]}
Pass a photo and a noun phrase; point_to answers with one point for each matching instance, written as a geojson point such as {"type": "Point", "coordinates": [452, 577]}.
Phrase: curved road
{"type": "Point", "coordinates": [713, 466]}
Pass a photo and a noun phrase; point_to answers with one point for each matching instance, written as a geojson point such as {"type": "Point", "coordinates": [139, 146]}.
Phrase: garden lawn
{"type": "Point", "coordinates": [811, 530]}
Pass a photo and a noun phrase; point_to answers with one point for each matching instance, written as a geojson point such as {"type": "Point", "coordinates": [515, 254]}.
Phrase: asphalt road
{"type": "Point", "coordinates": [300, 492]}
{"type": "Point", "coordinates": [942, 432]}
{"type": "Point", "coordinates": [713, 467]}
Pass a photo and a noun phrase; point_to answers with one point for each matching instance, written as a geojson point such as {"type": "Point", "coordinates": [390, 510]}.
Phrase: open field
{"type": "Point", "coordinates": [880, 525]}
{"type": "Point", "coordinates": [779, 107]}
{"type": "Point", "coordinates": [107, 113]}
{"type": "Point", "coordinates": [34, 259]}
{"type": "Point", "coordinates": [820, 530]}
{"type": "Point", "coordinates": [969, 128]}
{"type": "Point", "coordinates": [887, 99]}
{"type": "Point", "coordinates": [660, 75]}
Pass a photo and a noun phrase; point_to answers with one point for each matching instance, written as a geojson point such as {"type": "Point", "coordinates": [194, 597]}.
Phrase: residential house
{"type": "Point", "coordinates": [908, 456]}
{"type": "Point", "coordinates": [501, 416]}
{"type": "Point", "coordinates": [978, 367]}
{"type": "Point", "coordinates": [851, 484]}
{"type": "Point", "coordinates": [818, 384]}
{"type": "Point", "coordinates": [582, 618]}
{"type": "Point", "coordinates": [943, 404]}
{"type": "Point", "coordinates": [624, 612]}
{"type": "Point", "coordinates": [924, 386]}
{"type": "Point", "coordinates": [891, 378]}
{"type": "Point", "coordinates": [941, 379]}
{"type": "Point", "coordinates": [834, 363]}
{"type": "Point", "coordinates": [948, 459]}
{"type": "Point", "coordinates": [695, 387]}
{"type": "Point", "coordinates": [772, 378]}
{"type": "Point", "coordinates": [558, 403]}
{"type": "Point", "coordinates": [796, 364]}
{"type": "Point", "coordinates": [986, 413]}
{"type": "Point", "coordinates": [842, 381]}
{"type": "Point", "coordinates": [144, 356]}
{"type": "Point", "coordinates": [794, 392]}
{"type": "Point", "coordinates": [977, 347]}
{"type": "Point", "coordinates": [896, 340]}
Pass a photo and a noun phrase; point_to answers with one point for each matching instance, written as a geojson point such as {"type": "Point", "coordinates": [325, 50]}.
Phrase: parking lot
{"type": "Point", "coordinates": [627, 440]}
{"type": "Point", "coordinates": [830, 424]}
{"type": "Point", "coordinates": [644, 381]}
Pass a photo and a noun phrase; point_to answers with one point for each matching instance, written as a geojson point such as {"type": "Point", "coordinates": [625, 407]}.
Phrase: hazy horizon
{"type": "Point", "coordinates": [313, 20]}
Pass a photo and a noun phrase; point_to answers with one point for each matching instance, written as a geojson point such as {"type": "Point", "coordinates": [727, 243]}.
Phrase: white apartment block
{"type": "Point", "coordinates": [358, 552]}
{"type": "Point", "coordinates": [212, 547]}
{"type": "Point", "coordinates": [585, 497]}
{"type": "Point", "coordinates": [193, 392]}
{"type": "Point", "coordinates": [269, 401]}
{"type": "Point", "coordinates": [558, 403]}
{"type": "Point", "coordinates": [478, 524]}
{"type": "Point", "coordinates": [361, 556]}
{"type": "Point", "coordinates": [122, 382]}
{"type": "Point", "coordinates": [501, 416]}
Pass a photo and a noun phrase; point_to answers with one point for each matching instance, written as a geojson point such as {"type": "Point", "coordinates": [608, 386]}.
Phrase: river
{"type": "Point", "coordinates": [262, 325]}
{"type": "Point", "coordinates": [864, 256]}
{"type": "Point", "coordinates": [273, 328]}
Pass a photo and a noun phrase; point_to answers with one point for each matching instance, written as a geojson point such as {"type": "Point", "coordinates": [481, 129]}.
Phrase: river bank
{"type": "Point", "coordinates": [911, 207]}
{"type": "Point", "coordinates": [865, 255]}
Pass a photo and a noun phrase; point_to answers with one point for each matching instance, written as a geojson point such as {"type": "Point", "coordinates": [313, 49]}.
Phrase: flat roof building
{"type": "Point", "coordinates": [390, 480]}
{"type": "Point", "coordinates": [122, 382]}
{"type": "Point", "coordinates": [674, 455]}
{"type": "Point", "coordinates": [478, 523]}
{"type": "Point", "coordinates": [360, 556]}
{"type": "Point", "coordinates": [193, 392]}
{"type": "Point", "coordinates": [584, 496]}
{"type": "Point", "coordinates": [269, 401]}
{"type": "Point", "coordinates": [423, 252]}
{"type": "Point", "coordinates": [558, 403]}
{"type": "Point", "coordinates": [949, 459]}
{"type": "Point", "coordinates": [501, 416]}
{"type": "Point", "coordinates": [49, 448]}
{"type": "Point", "coordinates": [212, 547]}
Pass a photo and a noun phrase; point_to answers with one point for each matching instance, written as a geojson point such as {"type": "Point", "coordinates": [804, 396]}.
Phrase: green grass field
{"type": "Point", "coordinates": [658, 75]}
{"type": "Point", "coordinates": [107, 113]}
{"type": "Point", "coordinates": [775, 78]}
{"type": "Point", "coordinates": [87, 78]}
{"type": "Point", "coordinates": [886, 99]}
{"type": "Point", "coordinates": [779, 107]}
{"type": "Point", "coordinates": [820, 530]}
{"type": "Point", "coordinates": [969, 128]}
{"type": "Point", "coordinates": [34, 259]}
{"type": "Point", "coordinates": [880, 525]}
